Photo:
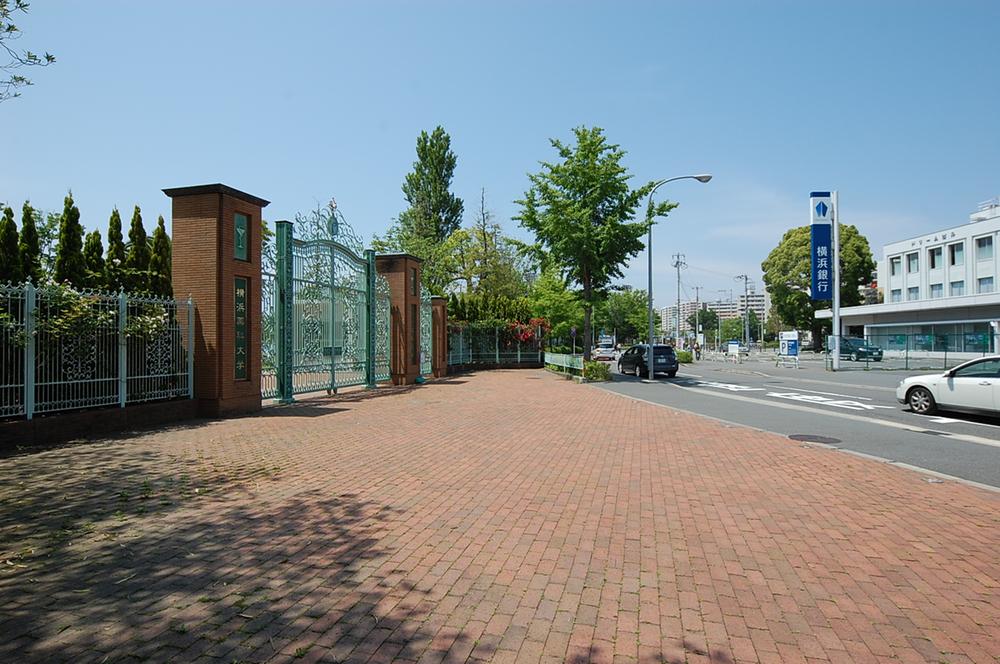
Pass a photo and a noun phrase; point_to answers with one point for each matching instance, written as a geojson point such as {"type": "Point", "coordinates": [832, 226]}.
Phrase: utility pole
{"type": "Point", "coordinates": [697, 310]}
{"type": "Point", "coordinates": [678, 263]}
{"type": "Point", "coordinates": [746, 307]}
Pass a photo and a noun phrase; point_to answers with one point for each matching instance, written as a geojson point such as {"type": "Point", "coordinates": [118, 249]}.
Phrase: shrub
{"type": "Point", "coordinates": [684, 356]}
{"type": "Point", "coordinates": [596, 371]}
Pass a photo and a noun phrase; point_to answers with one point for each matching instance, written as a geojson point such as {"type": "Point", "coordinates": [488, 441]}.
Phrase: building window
{"type": "Point", "coordinates": [958, 288]}
{"type": "Point", "coordinates": [895, 265]}
{"type": "Point", "coordinates": [896, 295]}
{"type": "Point", "coordinates": [413, 281]}
{"type": "Point", "coordinates": [934, 258]}
{"type": "Point", "coordinates": [984, 285]}
{"type": "Point", "coordinates": [913, 293]}
{"type": "Point", "coordinates": [984, 248]}
{"type": "Point", "coordinates": [912, 262]}
{"type": "Point", "coordinates": [937, 290]}
{"type": "Point", "coordinates": [956, 254]}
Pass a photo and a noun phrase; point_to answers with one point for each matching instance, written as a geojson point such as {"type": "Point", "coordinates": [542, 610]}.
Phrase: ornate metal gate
{"type": "Point", "coordinates": [325, 318]}
{"type": "Point", "coordinates": [426, 333]}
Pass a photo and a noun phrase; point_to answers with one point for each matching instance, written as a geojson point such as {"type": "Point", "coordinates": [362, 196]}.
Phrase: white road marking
{"type": "Point", "coordinates": [818, 398]}
{"type": "Point", "coordinates": [833, 448]}
{"type": "Point", "coordinates": [951, 420]}
{"type": "Point", "coordinates": [732, 387]}
{"type": "Point", "coordinates": [821, 400]}
{"type": "Point", "coordinates": [849, 416]}
{"type": "Point", "coordinates": [834, 394]}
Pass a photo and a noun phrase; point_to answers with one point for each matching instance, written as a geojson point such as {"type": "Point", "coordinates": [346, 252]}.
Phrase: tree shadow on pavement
{"type": "Point", "coordinates": [215, 574]}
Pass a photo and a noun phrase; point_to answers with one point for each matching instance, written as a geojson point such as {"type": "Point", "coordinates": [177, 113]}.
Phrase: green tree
{"type": "Point", "coordinates": [485, 260]}
{"type": "Point", "coordinates": [28, 248]}
{"type": "Point", "coordinates": [10, 260]}
{"type": "Point", "coordinates": [160, 282]}
{"type": "Point", "coordinates": [70, 266]}
{"type": "Point", "coordinates": [93, 256]}
{"type": "Point", "coordinates": [434, 214]}
{"type": "Point", "coordinates": [708, 319]}
{"type": "Point", "coordinates": [552, 299]}
{"type": "Point", "coordinates": [15, 59]}
{"type": "Point", "coordinates": [137, 256]}
{"type": "Point", "coordinates": [732, 328]}
{"type": "Point", "coordinates": [625, 314]}
{"type": "Point", "coordinates": [754, 325]}
{"type": "Point", "coordinates": [581, 210]}
{"type": "Point", "coordinates": [788, 275]}
{"type": "Point", "coordinates": [115, 263]}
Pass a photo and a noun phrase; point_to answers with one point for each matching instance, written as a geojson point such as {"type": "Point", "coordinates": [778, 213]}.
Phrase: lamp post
{"type": "Point", "coordinates": [649, 251]}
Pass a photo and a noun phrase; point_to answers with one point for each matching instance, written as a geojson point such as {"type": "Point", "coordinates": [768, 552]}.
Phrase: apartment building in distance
{"type": "Point", "coordinates": [759, 303]}
{"type": "Point", "coordinates": [668, 317]}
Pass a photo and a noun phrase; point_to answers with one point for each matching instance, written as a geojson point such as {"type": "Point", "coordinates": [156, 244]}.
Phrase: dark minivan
{"type": "Point", "coordinates": [634, 360]}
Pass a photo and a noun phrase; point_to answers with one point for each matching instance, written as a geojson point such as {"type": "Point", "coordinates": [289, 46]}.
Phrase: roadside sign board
{"type": "Point", "coordinates": [788, 344]}
{"type": "Point", "coordinates": [821, 216]}
{"type": "Point", "coordinates": [734, 348]}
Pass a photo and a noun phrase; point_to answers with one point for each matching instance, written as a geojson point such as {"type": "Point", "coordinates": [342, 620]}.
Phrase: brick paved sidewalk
{"type": "Point", "coordinates": [505, 516]}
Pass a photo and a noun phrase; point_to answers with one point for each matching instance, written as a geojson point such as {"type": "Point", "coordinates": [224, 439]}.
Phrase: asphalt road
{"type": "Point", "coordinates": [852, 410]}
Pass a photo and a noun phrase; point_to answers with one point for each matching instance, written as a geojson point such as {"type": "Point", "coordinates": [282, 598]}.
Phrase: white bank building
{"type": "Point", "coordinates": [941, 291]}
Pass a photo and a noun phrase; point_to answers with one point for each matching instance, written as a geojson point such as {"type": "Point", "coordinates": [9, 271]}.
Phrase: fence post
{"type": "Point", "coordinates": [519, 351]}
{"type": "Point", "coordinates": [283, 322]}
{"type": "Point", "coordinates": [496, 335]}
{"type": "Point", "coordinates": [122, 349]}
{"type": "Point", "coordinates": [29, 351]}
{"type": "Point", "coordinates": [190, 357]}
{"type": "Point", "coordinates": [370, 319]}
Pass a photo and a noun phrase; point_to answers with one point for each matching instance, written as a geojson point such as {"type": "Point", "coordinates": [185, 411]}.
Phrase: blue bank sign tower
{"type": "Point", "coordinates": [824, 218]}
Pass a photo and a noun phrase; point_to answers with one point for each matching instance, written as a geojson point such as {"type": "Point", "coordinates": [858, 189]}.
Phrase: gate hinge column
{"type": "Point", "coordinates": [370, 318]}
{"type": "Point", "coordinates": [283, 323]}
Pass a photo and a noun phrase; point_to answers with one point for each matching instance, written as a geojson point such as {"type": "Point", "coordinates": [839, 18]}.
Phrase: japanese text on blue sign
{"type": "Point", "coordinates": [822, 245]}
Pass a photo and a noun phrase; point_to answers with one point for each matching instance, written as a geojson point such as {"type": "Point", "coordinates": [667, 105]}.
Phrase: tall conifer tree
{"type": "Point", "coordinates": [160, 278]}
{"type": "Point", "coordinates": [28, 249]}
{"type": "Point", "coordinates": [114, 266]}
{"type": "Point", "coordinates": [93, 254]}
{"type": "Point", "coordinates": [10, 262]}
{"type": "Point", "coordinates": [137, 256]}
{"type": "Point", "coordinates": [70, 265]}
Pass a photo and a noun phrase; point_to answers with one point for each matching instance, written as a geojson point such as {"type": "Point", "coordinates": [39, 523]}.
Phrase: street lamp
{"type": "Point", "coordinates": [649, 250]}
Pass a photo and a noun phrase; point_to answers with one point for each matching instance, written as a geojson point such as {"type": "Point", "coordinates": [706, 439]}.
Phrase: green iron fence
{"type": "Point", "coordinates": [493, 346]}
{"type": "Point", "coordinates": [928, 350]}
{"type": "Point", "coordinates": [565, 362]}
{"type": "Point", "coordinates": [62, 349]}
{"type": "Point", "coordinates": [325, 310]}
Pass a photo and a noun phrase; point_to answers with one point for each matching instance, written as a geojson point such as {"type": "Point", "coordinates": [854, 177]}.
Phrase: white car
{"type": "Point", "coordinates": [603, 353]}
{"type": "Point", "coordinates": [973, 387]}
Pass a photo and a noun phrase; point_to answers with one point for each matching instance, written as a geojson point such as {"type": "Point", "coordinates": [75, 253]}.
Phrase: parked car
{"type": "Point", "coordinates": [603, 352]}
{"type": "Point", "coordinates": [972, 387]}
{"type": "Point", "coordinates": [633, 360]}
{"type": "Point", "coordinates": [859, 349]}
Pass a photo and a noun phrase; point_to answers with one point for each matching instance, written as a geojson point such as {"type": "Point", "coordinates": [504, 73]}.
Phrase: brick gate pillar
{"type": "Point", "coordinates": [402, 272]}
{"type": "Point", "coordinates": [439, 358]}
{"type": "Point", "coordinates": [216, 258]}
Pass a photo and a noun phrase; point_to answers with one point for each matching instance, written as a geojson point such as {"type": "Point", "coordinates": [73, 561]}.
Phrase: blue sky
{"type": "Point", "coordinates": [895, 104]}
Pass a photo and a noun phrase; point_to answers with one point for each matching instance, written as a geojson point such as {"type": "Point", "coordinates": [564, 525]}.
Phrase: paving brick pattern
{"type": "Point", "coordinates": [506, 516]}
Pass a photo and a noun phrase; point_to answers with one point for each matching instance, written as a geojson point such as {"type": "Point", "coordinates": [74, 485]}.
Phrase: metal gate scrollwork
{"type": "Point", "coordinates": [325, 318]}
{"type": "Point", "coordinates": [426, 334]}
